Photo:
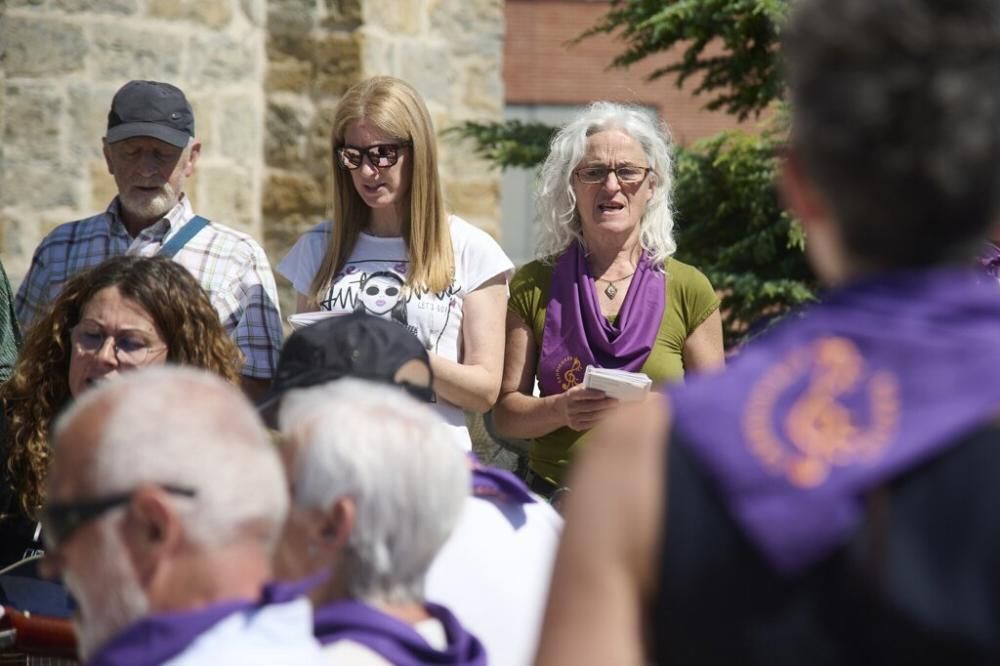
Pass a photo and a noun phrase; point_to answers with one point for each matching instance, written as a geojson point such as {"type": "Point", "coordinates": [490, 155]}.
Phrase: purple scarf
{"type": "Point", "coordinates": [157, 638]}
{"type": "Point", "coordinates": [498, 484]}
{"type": "Point", "coordinates": [395, 640]}
{"type": "Point", "coordinates": [859, 389]}
{"type": "Point", "coordinates": [576, 334]}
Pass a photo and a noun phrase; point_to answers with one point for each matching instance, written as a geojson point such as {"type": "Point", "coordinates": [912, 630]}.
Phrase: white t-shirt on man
{"type": "Point", "coordinates": [374, 277]}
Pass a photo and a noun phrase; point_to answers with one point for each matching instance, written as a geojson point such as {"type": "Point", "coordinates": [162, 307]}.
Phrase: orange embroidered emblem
{"type": "Point", "coordinates": [803, 432]}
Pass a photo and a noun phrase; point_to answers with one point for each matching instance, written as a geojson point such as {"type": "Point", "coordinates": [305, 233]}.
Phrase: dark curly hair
{"type": "Point", "coordinates": [39, 388]}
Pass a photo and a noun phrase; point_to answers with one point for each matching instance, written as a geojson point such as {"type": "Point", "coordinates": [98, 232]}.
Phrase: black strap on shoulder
{"type": "Point", "coordinates": [181, 238]}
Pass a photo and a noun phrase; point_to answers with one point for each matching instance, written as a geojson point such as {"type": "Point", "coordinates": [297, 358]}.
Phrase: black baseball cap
{"type": "Point", "coordinates": [150, 108]}
{"type": "Point", "coordinates": [353, 345]}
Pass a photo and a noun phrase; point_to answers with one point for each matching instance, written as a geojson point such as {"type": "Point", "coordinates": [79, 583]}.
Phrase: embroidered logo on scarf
{"type": "Point", "coordinates": [821, 407]}
{"type": "Point", "coordinates": [568, 372]}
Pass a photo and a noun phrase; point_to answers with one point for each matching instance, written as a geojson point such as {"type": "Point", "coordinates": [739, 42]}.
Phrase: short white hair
{"type": "Point", "coordinates": [397, 460]}
{"type": "Point", "coordinates": [187, 427]}
{"type": "Point", "coordinates": [559, 221]}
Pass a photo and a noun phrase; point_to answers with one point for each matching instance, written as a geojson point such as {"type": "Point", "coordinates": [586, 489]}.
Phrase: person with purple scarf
{"type": "Point", "coordinates": [378, 487]}
{"type": "Point", "coordinates": [605, 292]}
{"type": "Point", "coordinates": [831, 498]}
{"type": "Point", "coordinates": [164, 502]}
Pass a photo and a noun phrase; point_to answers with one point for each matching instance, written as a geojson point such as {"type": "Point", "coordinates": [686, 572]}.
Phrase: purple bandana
{"type": "Point", "coordinates": [157, 638]}
{"type": "Point", "coordinates": [576, 334]}
{"type": "Point", "coordinates": [393, 639]}
{"type": "Point", "coordinates": [859, 389]}
{"type": "Point", "coordinates": [499, 484]}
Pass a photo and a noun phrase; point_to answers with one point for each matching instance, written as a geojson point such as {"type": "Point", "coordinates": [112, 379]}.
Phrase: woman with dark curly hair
{"type": "Point", "coordinates": [151, 310]}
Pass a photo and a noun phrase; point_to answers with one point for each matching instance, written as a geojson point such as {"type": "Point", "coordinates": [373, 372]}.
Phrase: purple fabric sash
{"type": "Point", "coordinates": [857, 390]}
{"type": "Point", "coordinates": [395, 640]}
{"type": "Point", "coordinates": [499, 484]}
{"type": "Point", "coordinates": [158, 638]}
{"type": "Point", "coordinates": [576, 334]}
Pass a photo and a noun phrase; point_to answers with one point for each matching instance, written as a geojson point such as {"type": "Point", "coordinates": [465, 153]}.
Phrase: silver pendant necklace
{"type": "Point", "coordinates": [611, 290]}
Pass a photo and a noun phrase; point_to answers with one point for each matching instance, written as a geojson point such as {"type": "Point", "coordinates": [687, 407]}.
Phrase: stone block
{"type": "Point", "coordinates": [401, 17]}
{"type": "Point", "coordinates": [426, 65]}
{"type": "Point", "coordinates": [96, 6]}
{"type": "Point", "coordinates": [469, 26]}
{"type": "Point", "coordinates": [378, 53]}
{"type": "Point", "coordinates": [88, 119]}
{"type": "Point", "coordinates": [483, 89]}
{"type": "Point", "coordinates": [219, 59]}
{"type": "Point", "coordinates": [287, 192]}
{"type": "Point", "coordinates": [19, 236]}
{"type": "Point", "coordinates": [121, 55]}
{"type": "Point", "coordinates": [33, 122]}
{"type": "Point", "coordinates": [102, 185]}
{"type": "Point", "coordinates": [228, 193]}
{"type": "Point", "coordinates": [41, 46]}
{"type": "Point", "coordinates": [26, 4]}
{"type": "Point", "coordinates": [292, 17]}
{"type": "Point", "coordinates": [288, 74]}
{"type": "Point", "coordinates": [286, 124]}
{"type": "Point", "coordinates": [338, 64]}
{"type": "Point", "coordinates": [281, 231]}
{"type": "Point", "coordinates": [255, 11]}
{"type": "Point", "coordinates": [342, 14]}
{"type": "Point", "coordinates": [212, 13]}
{"type": "Point", "coordinates": [478, 198]}
{"type": "Point", "coordinates": [40, 185]}
{"type": "Point", "coordinates": [239, 126]}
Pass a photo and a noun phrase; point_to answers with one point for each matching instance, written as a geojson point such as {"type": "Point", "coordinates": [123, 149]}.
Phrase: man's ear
{"type": "Point", "coordinates": [153, 530]}
{"type": "Point", "coordinates": [106, 149]}
{"type": "Point", "coordinates": [337, 524]}
{"type": "Point", "coordinates": [192, 158]}
{"type": "Point", "coordinates": [800, 195]}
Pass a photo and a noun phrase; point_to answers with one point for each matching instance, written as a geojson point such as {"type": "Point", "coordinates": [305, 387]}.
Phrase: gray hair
{"type": "Point", "coordinates": [186, 427]}
{"type": "Point", "coordinates": [397, 460]}
{"type": "Point", "coordinates": [896, 115]}
{"type": "Point", "coordinates": [559, 222]}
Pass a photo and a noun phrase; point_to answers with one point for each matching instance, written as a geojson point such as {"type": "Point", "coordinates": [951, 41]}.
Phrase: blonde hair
{"type": "Point", "coordinates": [395, 108]}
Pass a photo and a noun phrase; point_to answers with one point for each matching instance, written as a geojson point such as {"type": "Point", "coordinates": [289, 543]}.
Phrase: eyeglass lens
{"type": "Point", "coordinates": [624, 174]}
{"type": "Point", "coordinates": [130, 347]}
{"type": "Point", "coordinates": [379, 156]}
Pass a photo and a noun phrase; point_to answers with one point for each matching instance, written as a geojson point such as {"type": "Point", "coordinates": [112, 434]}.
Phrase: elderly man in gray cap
{"type": "Point", "coordinates": [151, 150]}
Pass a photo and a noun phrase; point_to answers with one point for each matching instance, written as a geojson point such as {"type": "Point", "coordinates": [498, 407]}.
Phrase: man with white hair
{"type": "Point", "coordinates": [378, 485]}
{"type": "Point", "coordinates": [165, 499]}
{"type": "Point", "coordinates": [151, 150]}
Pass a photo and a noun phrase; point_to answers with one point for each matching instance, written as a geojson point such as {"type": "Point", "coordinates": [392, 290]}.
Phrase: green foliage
{"type": "Point", "coordinates": [731, 226]}
{"type": "Point", "coordinates": [728, 46]}
{"type": "Point", "coordinates": [510, 144]}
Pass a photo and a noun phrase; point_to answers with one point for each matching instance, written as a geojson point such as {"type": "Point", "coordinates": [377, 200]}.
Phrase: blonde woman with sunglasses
{"type": "Point", "coordinates": [392, 250]}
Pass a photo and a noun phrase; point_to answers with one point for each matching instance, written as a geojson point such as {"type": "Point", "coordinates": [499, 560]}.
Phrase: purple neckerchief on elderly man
{"type": "Point", "coordinates": [157, 638]}
{"type": "Point", "coordinates": [576, 334]}
{"type": "Point", "coordinates": [492, 483]}
{"type": "Point", "coordinates": [874, 380]}
{"type": "Point", "coordinates": [393, 639]}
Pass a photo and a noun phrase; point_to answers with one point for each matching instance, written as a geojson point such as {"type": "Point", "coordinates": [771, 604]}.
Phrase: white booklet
{"type": "Point", "coordinates": [303, 319]}
{"type": "Point", "coordinates": [620, 384]}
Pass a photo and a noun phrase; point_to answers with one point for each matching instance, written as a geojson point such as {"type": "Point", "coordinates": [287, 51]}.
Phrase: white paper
{"type": "Point", "coordinates": [619, 384]}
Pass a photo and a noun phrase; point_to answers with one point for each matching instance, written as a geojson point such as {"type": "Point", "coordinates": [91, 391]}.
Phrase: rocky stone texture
{"type": "Point", "coordinates": [61, 63]}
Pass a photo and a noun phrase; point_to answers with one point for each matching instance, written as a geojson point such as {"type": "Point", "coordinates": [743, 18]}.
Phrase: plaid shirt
{"type": "Point", "coordinates": [230, 266]}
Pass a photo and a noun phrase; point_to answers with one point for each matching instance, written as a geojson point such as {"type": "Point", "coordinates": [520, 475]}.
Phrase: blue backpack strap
{"type": "Point", "coordinates": [181, 238]}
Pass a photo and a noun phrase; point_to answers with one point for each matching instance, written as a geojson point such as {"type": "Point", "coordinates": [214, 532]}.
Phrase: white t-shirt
{"type": "Point", "coordinates": [493, 574]}
{"type": "Point", "coordinates": [351, 653]}
{"type": "Point", "coordinates": [374, 277]}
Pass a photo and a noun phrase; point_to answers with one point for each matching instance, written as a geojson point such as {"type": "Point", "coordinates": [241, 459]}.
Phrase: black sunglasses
{"type": "Point", "coordinates": [61, 519]}
{"type": "Point", "coordinates": [380, 156]}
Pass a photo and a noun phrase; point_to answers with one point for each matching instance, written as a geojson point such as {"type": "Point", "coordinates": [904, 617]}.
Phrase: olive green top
{"type": "Point", "coordinates": [690, 300]}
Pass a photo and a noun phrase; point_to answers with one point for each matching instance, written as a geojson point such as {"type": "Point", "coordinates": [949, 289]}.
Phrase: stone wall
{"type": "Point", "coordinates": [264, 77]}
{"type": "Point", "coordinates": [62, 61]}
{"type": "Point", "coordinates": [450, 50]}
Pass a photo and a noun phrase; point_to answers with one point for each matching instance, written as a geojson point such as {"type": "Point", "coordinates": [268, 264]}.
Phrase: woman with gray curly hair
{"type": "Point", "coordinates": [605, 291]}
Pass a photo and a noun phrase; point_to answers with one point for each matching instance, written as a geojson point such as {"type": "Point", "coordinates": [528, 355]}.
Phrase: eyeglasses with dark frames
{"type": "Point", "coordinates": [61, 519]}
{"type": "Point", "coordinates": [380, 155]}
{"type": "Point", "coordinates": [130, 347]}
{"type": "Point", "coordinates": [628, 174]}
